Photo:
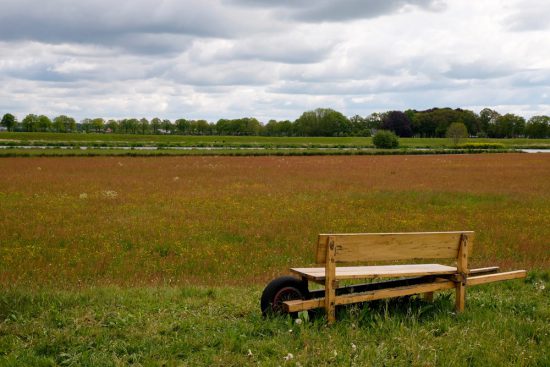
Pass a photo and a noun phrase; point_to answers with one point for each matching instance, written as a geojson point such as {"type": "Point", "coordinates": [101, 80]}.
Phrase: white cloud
{"type": "Point", "coordinates": [231, 58]}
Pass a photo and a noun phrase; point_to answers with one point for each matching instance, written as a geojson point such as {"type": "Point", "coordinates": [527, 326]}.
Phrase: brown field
{"type": "Point", "coordinates": [71, 222]}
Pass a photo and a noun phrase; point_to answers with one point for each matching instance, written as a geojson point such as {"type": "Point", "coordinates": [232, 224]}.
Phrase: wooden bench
{"type": "Point", "coordinates": [292, 295]}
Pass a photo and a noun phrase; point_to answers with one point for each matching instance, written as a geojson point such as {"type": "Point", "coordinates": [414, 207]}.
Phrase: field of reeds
{"type": "Point", "coordinates": [119, 260]}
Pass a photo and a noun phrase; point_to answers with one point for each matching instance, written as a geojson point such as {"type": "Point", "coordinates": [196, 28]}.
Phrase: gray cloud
{"type": "Point", "coordinates": [136, 25]}
{"type": "Point", "coordinates": [480, 70]}
{"type": "Point", "coordinates": [335, 11]}
{"type": "Point", "coordinates": [529, 16]}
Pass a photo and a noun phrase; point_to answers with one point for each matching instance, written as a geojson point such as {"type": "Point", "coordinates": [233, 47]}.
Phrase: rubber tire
{"type": "Point", "coordinates": [291, 287]}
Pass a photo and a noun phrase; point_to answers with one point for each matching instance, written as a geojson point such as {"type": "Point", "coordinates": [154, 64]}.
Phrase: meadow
{"type": "Point", "coordinates": [119, 260]}
{"type": "Point", "coordinates": [75, 139]}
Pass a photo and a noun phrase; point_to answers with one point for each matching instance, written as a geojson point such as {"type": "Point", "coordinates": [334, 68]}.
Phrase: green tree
{"type": "Point", "coordinates": [155, 125]}
{"type": "Point", "coordinates": [64, 124]}
{"type": "Point", "coordinates": [112, 126]}
{"type": "Point", "coordinates": [86, 125]}
{"type": "Point", "coordinates": [182, 126]}
{"type": "Point", "coordinates": [508, 126]}
{"type": "Point", "coordinates": [487, 121]}
{"type": "Point", "coordinates": [538, 127]}
{"type": "Point", "coordinates": [167, 126]}
{"type": "Point", "coordinates": [44, 123]}
{"type": "Point", "coordinates": [322, 122]}
{"type": "Point", "coordinates": [144, 126]}
{"type": "Point", "coordinates": [30, 122]}
{"type": "Point", "coordinates": [98, 124]}
{"type": "Point", "coordinates": [456, 132]}
{"type": "Point", "coordinates": [9, 121]}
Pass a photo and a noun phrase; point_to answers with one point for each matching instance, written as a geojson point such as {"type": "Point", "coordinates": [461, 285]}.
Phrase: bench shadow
{"type": "Point", "coordinates": [407, 308]}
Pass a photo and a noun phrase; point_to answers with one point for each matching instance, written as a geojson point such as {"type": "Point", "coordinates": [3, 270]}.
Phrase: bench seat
{"type": "Point", "coordinates": [384, 271]}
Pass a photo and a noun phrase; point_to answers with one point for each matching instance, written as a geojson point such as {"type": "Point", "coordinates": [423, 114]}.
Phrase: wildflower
{"type": "Point", "coordinates": [110, 194]}
{"type": "Point", "coordinates": [249, 354]}
{"type": "Point", "coordinates": [83, 196]}
{"type": "Point", "coordinates": [298, 321]}
{"type": "Point", "coordinates": [288, 357]}
{"type": "Point", "coordinates": [353, 347]}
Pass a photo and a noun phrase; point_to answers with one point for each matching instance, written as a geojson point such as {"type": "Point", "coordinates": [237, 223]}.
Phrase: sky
{"type": "Point", "coordinates": [214, 59]}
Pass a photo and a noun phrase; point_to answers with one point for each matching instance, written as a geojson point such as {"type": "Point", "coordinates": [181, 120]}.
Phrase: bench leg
{"type": "Point", "coordinates": [428, 296]}
{"type": "Point", "coordinates": [460, 297]}
{"type": "Point", "coordinates": [330, 282]}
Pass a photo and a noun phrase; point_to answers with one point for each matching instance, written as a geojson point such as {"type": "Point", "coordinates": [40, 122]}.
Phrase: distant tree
{"type": "Point", "coordinates": [86, 125]}
{"type": "Point", "coordinates": [155, 125]}
{"type": "Point", "coordinates": [538, 127]}
{"type": "Point", "coordinates": [44, 123]}
{"type": "Point", "coordinates": [322, 122]}
{"type": "Point", "coordinates": [9, 121]}
{"type": "Point", "coordinates": [182, 126]}
{"type": "Point", "coordinates": [98, 124]}
{"type": "Point", "coordinates": [456, 132]}
{"type": "Point", "coordinates": [508, 126]}
{"type": "Point", "coordinates": [359, 126]}
{"type": "Point", "coordinates": [144, 126]}
{"type": "Point", "coordinates": [64, 124]}
{"type": "Point", "coordinates": [374, 121]}
{"type": "Point", "coordinates": [397, 122]}
{"type": "Point", "coordinates": [112, 126]}
{"type": "Point", "coordinates": [487, 121]}
{"type": "Point", "coordinates": [167, 126]}
{"type": "Point", "coordinates": [30, 122]}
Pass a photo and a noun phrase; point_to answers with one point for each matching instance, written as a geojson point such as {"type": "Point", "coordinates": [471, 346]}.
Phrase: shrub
{"type": "Point", "coordinates": [456, 132]}
{"type": "Point", "coordinates": [481, 146]}
{"type": "Point", "coordinates": [384, 139]}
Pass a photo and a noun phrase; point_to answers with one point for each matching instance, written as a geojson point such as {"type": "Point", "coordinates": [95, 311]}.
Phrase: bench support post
{"type": "Point", "coordinates": [428, 296]}
{"type": "Point", "coordinates": [462, 270]}
{"type": "Point", "coordinates": [330, 281]}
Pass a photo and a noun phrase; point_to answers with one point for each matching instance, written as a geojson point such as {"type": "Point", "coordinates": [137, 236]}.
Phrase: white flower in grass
{"type": "Point", "coordinates": [249, 354]}
{"type": "Point", "coordinates": [298, 321]}
{"type": "Point", "coordinates": [288, 357]}
{"type": "Point", "coordinates": [110, 194]}
{"type": "Point", "coordinates": [353, 347]}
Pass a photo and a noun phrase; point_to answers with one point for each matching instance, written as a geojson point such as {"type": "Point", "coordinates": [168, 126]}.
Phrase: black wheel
{"type": "Point", "coordinates": [279, 290]}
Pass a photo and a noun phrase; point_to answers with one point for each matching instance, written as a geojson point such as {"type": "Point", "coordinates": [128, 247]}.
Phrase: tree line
{"type": "Point", "coordinates": [429, 123]}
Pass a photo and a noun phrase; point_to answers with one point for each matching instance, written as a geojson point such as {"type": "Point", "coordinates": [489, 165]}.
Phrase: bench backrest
{"type": "Point", "coordinates": [362, 247]}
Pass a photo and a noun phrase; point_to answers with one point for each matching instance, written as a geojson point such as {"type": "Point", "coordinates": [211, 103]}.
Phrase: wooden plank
{"type": "Point", "coordinates": [330, 286]}
{"type": "Point", "coordinates": [487, 270]}
{"type": "Point", "coordinates": [462, 270]}
{"type": "Point", "coordinates": [483, 279]}
{"type": "Point", "coordinates": [379, 271]}
{"type": "Point", "coordinates": [366, 287]}
{"type": "Point", "coordinates": [303, 305]}
{"type": "Point", "coordinates": [356, 247]}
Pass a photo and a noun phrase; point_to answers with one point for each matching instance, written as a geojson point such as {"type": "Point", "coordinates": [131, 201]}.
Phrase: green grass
{"type": "Point", "coordinates": [505, 324]}
{"type": "Point", "coordinates": [183, 140]}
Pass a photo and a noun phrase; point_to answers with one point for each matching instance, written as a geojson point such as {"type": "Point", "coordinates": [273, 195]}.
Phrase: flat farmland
{"type": "Point", "coordinates": [75, 222]}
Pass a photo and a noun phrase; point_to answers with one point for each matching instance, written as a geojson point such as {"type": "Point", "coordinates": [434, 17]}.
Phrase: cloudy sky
{"type": "Point", "coordinates": [271, 59]}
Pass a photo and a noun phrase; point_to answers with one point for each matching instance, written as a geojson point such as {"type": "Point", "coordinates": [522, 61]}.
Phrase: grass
{"type": "Point", "coordinates": [241, 141]}
{"type": "Point", "coordinates": [145, 261]}
{"type": "Point", "coordinates": [505, 324]}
